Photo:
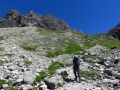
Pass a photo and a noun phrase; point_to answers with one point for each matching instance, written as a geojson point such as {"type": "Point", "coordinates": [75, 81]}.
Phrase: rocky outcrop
{"type": "Point", "coordinates": [114, 33]}
{"type": "Point", "coordinates": [14, 19]}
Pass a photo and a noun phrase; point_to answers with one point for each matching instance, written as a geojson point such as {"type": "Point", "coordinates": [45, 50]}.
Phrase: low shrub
{"type": "Point", "coordinates": [41, 76]}
{"type": "Point", "coordinates": [54, 66]}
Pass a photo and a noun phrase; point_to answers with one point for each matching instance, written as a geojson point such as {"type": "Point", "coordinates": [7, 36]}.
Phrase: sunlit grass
{"type": "Point", "coordinates": [71, 48]}
{"type": "Point", "coordinates": [5, 82]}
{"type": "Point", "coordinates": [27, 62]}
{"type": "Point", "coordinates": [90, 74]}
{"type": "Point", "coordinates": [29, 47]}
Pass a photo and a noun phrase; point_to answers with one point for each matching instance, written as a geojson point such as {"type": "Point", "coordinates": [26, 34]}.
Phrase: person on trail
{"type": "Point", "coordinates": [76, 67]}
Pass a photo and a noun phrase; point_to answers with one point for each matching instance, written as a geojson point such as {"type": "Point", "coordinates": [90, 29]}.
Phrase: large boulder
{"type": "Point", "coordinates": [108, 72]}
{"type": "Point", "coordinates": [29, 77]}
{"type": "Point", "coordinates": [54, 82]}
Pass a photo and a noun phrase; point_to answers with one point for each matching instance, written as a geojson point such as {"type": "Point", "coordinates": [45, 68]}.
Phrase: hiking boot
{"type": "Point", "coordinates": [75, 78]}
{"type": "Point", "coordinates": [79, 81]}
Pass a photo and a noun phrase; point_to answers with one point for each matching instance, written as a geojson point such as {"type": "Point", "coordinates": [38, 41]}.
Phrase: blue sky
{"type": "Point", "coordinates": [90, 16]}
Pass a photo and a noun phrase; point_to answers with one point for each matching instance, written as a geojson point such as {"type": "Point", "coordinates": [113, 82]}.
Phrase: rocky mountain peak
{"type": "Point", "coordinates": [12, 14]}
{"type": "Point", "coordinates": [31, 12]}
{"type": "Point", "coordinates": [14, 19]}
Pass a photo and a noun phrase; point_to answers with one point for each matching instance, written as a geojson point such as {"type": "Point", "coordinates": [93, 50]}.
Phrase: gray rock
{"type": "Point", "coordinates": [29, 78]}
{"type": "Point", "coordinates": [12, 68]}
{"type": "Point", "coordinates": [43, 86]}
{"type": "Point", "coordinates": [4, 85]}
{"type": "Point", "coordinates": [26, 87]}
{"type": "Point", "coordinates": [92, 53]}
{"type": "Point", "coordinates": [108, 72]}
{"type": "Point", "coordinates": [54, 82]}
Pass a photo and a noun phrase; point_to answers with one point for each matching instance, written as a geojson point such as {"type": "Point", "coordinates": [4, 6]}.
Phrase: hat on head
{"type": "Point", "coordinates": [76, 56]}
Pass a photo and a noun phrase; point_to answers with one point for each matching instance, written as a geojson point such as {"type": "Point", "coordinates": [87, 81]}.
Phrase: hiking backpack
{"type": "Point", "coordinates": [76, 61]}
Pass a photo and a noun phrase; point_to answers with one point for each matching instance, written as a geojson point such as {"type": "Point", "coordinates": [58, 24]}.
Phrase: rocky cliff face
{"type": "Point", "coordinates": [114, 33]}
{"type": "Point", "coordinates": [14, 19]}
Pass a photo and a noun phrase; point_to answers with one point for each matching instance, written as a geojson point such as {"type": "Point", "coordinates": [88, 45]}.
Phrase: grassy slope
{"type": "Point", "coordinates": [58, 42]}
{"type": "Point", "coordinates": [54, 43]}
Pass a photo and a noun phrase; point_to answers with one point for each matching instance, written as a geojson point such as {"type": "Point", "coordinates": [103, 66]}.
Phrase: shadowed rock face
{"type": "Point", "coordinates": [14, 19]}
{"type": "Point", "coordinates": [114, 33]}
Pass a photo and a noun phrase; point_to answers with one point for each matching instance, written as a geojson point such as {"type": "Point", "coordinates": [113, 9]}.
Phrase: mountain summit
{"type": "Point", "coordinates": [14, 19]}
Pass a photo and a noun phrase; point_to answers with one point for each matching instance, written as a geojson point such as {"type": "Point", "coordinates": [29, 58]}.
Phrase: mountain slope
{"type": "Point", "coordinates": [30, 55]}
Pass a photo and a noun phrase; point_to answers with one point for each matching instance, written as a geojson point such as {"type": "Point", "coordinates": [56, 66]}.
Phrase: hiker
{"type": "Point", "coordinates": [76, 67]}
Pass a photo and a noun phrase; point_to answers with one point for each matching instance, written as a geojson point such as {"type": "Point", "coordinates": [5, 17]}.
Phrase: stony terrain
{"type": "Point", "coordinates": [19, 64]}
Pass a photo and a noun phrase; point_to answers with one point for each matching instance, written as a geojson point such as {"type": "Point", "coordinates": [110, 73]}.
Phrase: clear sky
{"type": "Point", "coordinates": [90, 16]}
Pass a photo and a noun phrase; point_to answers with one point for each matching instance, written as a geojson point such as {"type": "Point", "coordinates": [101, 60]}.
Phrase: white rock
{"type": "Point", "coordinates": [97, 88]}
{"type": "Point", "coordinates": [15, 72]}
{"type": "Point", "coordinates": [54, 81]}
{"type": "Point", "coordinates": [43, 87]}
{"type": "Point", "coordinates": [29, 77]}
{"type": "Point", "coordinates": [5, 85]}
{"type": "Point", "coordinates": [19, 80]}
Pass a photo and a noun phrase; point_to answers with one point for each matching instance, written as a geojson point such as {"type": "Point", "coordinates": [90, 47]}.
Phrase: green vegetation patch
{"type": "Point", "coordinates": [1, 49]}
{"type": "Point", "coordinates": [57, 65]}
{"type": "Point", "coordinates": [27, 62]}
{"type": "Point", "coordinates": [117, 77]}
{"type": "Point", "coordinates": [105, 50]}
{"type": "Point", "coordinates": [51, 70]}
{"type": "Point", "coordinates": [41, 76]}
{"type": "Point", "coordinates": [1, 38]}
{"type": "Point", "coordinates": [93, 58]}
{"type": "Point", "coordinates": [1, 63]}
{"type": "Point", "coordinates": [14, 88]}
{"type": "Point", "coordinates": [55, 53]}
{"type": "Point", "coordinates": [101, 40]}
{"type": "Point", "coordinates": [44, 31]}
{"type": "Point", "coordinates": [71, 48]}
{"type": "Point", "coordinates": [23, 31]}
{"type": "Point", "coordinates": [90, 56]}
{"type": "Point", "coordinates": [5, 82]}
{"type": "Point", "coordinates": [88, 44]}
{"type": "Point", "coordinates": [9, 55]}
{"type": "Point", "coordinates": [111, 43]}
{"type": "Point", "coordinates": [90, 74]}
{"type": "Point", "coordinates": [96, 37]}
{"type": "Point", "coordinates": [29, 47]}
{"type": "Point", "coordinates": [54, 66]}
{"type": "Point", "coordinates": [49, 32]}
